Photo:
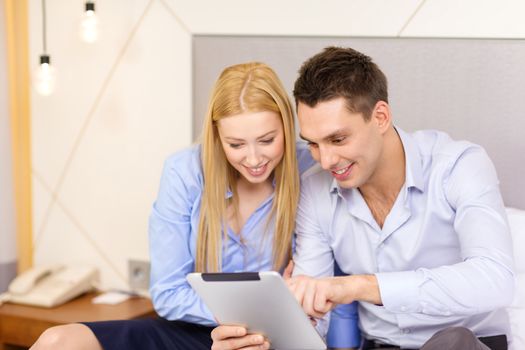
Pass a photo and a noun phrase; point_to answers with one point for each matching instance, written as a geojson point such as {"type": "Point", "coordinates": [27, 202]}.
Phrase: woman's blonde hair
{"type": "Point", "coordinates": [245, 88]}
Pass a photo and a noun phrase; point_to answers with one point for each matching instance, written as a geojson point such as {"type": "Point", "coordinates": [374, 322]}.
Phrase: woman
{"type": "Point", "coordinates": [225, 205]}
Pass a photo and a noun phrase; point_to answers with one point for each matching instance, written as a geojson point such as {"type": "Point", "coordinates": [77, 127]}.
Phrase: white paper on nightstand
{"type": "Point", "coordinates": [111, 298]}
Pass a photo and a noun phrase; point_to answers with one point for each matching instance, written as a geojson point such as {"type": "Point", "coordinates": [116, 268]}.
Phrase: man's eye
{"type": "Point", "coordinates": [338, 140]}
{"type": "Point", "coordinates": [312, 144]}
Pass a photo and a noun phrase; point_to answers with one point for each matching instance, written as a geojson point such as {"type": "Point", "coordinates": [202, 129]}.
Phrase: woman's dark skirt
{"type": "Point", "coordinates": [151, 334]}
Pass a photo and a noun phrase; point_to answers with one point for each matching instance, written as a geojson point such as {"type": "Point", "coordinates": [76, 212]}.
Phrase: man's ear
{"type": "Point", "coordinates": [382, 116]}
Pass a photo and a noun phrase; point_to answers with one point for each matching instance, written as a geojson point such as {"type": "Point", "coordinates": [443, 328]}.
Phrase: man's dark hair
{"type": "Point", "coordinates": [341, 72]}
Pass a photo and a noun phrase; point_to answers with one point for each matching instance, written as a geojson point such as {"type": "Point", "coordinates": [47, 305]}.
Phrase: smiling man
{"type": "Point", "coordinates": [417, 220]}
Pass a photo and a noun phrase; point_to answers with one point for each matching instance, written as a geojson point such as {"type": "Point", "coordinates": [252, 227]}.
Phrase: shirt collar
{"type": "Point", "coordinates": [413, 164]}
{"type": "Point", "coordinates": [413, 161]}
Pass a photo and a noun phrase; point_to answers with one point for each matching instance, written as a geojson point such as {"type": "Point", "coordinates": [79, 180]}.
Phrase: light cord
{"type": "Point", "coordinates": [44, 42]}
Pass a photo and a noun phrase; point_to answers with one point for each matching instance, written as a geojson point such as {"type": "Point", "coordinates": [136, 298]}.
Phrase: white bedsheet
{"type": "Point", "coordinates": [517, 309]}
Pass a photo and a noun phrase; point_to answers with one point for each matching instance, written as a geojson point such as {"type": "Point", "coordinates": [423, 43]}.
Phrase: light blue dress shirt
{"type": "Point", "coordinates": [173, 227]}
{"type": "Point", "coordinates": [443, 256]}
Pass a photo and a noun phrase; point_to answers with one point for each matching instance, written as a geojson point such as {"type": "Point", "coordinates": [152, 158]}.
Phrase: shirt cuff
{"type": "Point", "coordinates": [400, 290]}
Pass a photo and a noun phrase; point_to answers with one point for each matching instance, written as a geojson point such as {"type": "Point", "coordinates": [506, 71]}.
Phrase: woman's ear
{"type": "Point", "coordinates": [382, 116]}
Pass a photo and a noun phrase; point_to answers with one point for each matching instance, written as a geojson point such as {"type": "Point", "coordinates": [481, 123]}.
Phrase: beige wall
{"type": "Point", "coordinates": [124, 103]}
{"type": "Point", "coordinates": [120, 107]}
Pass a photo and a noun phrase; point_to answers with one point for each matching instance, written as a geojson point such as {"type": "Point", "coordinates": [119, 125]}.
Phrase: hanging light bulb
{"type": "Point", "coordinates": [44, 77]}
{"type": "Point", "coordinates": [89, 23]}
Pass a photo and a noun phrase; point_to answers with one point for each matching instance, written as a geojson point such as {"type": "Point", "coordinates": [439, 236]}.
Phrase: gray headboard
{"type": "Point", "coordinates": [473, 89]}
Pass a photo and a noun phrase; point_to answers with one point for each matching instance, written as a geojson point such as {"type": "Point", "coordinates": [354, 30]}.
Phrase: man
{"type": "Point", "coordinates": [416, 219]}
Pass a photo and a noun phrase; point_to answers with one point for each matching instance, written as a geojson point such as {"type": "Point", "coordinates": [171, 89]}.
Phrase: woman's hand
{"type": "Point", "coordinates": [287, 273]}
{"type": "Point", "coordinates": [236, 337]}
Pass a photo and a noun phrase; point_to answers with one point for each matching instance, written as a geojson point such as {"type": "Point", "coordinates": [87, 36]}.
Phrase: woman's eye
{"type": "Point", "coordinates": [235, 145]}
{"type": "Point", "coordinates": [267, 141]}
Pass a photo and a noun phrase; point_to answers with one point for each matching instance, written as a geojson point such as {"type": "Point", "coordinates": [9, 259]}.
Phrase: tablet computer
{"type": "Point", "coordinates": [261, 302]}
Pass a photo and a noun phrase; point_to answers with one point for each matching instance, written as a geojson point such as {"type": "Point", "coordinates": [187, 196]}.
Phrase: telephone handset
{"type": "Point", "coordinates": [23, 283]}
{"type": "Point", "coordinates": [51, 285]}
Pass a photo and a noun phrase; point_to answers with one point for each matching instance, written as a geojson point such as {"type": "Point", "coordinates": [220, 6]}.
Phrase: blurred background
{"type": "Point", "coordinates": [80, 166]}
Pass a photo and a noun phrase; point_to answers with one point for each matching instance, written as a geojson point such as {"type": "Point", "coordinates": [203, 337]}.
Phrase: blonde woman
{"type": "Point", "coordinates": [227, 204]}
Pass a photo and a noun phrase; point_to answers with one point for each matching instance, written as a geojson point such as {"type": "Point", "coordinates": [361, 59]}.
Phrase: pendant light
{"type": "Point", "coordinates": [44, 76]}
{"type": "Point", "coordinates": [89, 23]}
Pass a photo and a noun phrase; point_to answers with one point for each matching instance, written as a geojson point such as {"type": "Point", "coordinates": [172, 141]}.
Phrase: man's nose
{"type": "Point", "coordinates": [328, 159]}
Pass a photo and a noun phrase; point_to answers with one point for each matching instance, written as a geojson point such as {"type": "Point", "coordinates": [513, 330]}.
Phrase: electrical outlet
{"type": "Point", "coordinates": [138, 274]}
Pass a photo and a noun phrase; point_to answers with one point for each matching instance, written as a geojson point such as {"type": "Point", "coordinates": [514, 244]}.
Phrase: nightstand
{"type": "Point", "coordinates": [21, 325]}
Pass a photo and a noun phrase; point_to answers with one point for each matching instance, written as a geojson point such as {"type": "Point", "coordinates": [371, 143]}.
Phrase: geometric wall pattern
{"type": "Point", "coordinates": [100, 140]}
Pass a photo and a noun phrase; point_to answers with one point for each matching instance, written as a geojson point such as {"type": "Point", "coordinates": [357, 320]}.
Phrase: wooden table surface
{"type": "Point", "coordinates": [21, 325]}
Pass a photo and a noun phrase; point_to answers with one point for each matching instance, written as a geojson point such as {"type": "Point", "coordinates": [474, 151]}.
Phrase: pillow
{"type": "Point", "coordinates": [517, 309]}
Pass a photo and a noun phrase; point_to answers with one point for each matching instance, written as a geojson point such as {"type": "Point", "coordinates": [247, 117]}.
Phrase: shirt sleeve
{"type": "Point", "coordinates": [169, 238]}
{"type": "Point", "coordinates": [484, 279]}
{"type": "Point", "coordinates": [313, 255]}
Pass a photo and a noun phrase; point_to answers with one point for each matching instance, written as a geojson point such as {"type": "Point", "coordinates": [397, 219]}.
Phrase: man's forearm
{"type": "Point", "coordinates": [361, 288]}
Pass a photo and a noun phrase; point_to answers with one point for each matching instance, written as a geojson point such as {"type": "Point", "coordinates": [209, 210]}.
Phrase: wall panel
{"type": "Point", "coordinates": [471, 89]}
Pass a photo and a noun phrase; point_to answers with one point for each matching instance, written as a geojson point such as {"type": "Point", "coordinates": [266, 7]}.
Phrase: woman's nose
{"type": "Point", "coordinates": [253, 158]}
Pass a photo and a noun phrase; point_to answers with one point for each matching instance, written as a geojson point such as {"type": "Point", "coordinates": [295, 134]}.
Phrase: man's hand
{"type": "Point", "coordinates": [236, 337]}
{"type": "Point", "coordinates": [315, 295]}
{"type": "Point", "coordinates": [318, 296]}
